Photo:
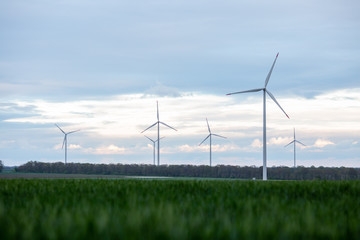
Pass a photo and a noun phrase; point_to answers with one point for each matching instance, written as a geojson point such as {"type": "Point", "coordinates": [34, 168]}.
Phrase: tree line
{"type": "Point", "coordinates": [219, 171]}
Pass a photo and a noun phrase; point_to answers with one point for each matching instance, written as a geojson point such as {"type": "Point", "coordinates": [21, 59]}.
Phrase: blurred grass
{"type": "Point", "coordinates": [161, 209]}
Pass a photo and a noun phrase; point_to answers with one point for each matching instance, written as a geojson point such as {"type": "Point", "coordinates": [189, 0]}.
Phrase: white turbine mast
{"type": "Point", "coordinates": [294, 142]}
{"type": "Point", "coordinates": [265, 91]}
{"type": "Point", "coordinates": [153, 141]}
{"type": "Point", "coordinates": [209, 136]}
{"type": "Point", "coordinates": [65, 140]}
{"type": "Point", "coordinates": [158, 132]}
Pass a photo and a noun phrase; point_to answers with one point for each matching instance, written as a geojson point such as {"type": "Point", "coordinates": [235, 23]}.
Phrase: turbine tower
{"type": "Point", "coordinates": [65, 140]}
{"type": "Point", "coordinates": [265, 91]}
{"type": "Point", "coordinates": [153, 141]}
{"type": "Point", "coordinates": [209, 136]}
{"type": "Point", "coordinates": [158, 132]}
{"type": "Point", "coordinates": [294, 142]}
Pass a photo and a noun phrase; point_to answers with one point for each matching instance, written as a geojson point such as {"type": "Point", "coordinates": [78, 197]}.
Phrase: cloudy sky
{"type": "Point", "coordinates": [100, 66]}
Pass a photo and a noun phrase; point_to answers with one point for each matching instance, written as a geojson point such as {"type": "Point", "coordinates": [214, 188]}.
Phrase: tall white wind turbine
{"type": "Point", "coordinates": [153, 141]}
{"type": "Point", "coordinates": [265, 91]}
{"type": "Point", "coordinates": [65, 140]}
{"type": "Point", "coordinates": [158, 132]}
{"type": "Point", "coordinates": [294, 142]}
{"type": "Point", "coordinates": [209, 136]}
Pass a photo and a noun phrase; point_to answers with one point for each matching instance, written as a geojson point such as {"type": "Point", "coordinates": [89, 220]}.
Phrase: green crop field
{"type": "Point", "coordinates": [175, 209]}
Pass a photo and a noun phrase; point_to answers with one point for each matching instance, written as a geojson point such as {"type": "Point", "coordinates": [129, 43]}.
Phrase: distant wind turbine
{"type": "Point", "coordinates": [65, 140]}
{"type": "Point", "coordinates": [209, 136]}
{"type": "Point", "coordinates": [158, 132]}
{"type": "Point", "coordinates": [153, 141]}
{"type": "Point", "coordinates": [294, 142]}
{"type": "Point", "coordinates": [264, 112]}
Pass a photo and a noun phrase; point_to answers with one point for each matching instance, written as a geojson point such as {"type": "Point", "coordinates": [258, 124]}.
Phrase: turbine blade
{"type": "Point", "coordinates": [73, 131]}
{"type": "Point", "coordinates": [205, 139]}
{"type": "Point", "coordinates": [269, 74]}
{"type": "Point", "coordinates": [218, 135]}
{"type": "Point", "coordinates": [300, 143]}
{"type": "Point", "coordinates": [289, 143]}
{"type": "Point", "coordinates": [63, 142]}
{"type": "Point", "coordinates": [159, 139]}
{"type": "Point", "coordinates": [150, 139]}
{"type": "Point", "coordinates": [273, 98]}
{"type": "Point", "coordinates": [150, 127]}
{"type": "Point", "coordinates": [252, 90]}
{"type": "Point", "coordinates": [168, 126]}
{"type": "Point", "coordinates": [157, 109]}
{"type": "Point", "coordinates": [60, 128]}
{"type": "Point", "coordinates": [208, 125]}
{"type": "Point", "coordinates": [294, 134]}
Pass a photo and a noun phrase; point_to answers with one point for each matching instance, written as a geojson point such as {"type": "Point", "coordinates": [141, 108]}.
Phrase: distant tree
{"type": "Point", "coordinates": [219, 171]}
{"type": "Point", "coordinates": [1, 166]}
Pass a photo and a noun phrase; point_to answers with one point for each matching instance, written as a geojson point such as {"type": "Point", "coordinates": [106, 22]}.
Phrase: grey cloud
{"type": "Point", "coordinates": [163, 91]}
{"type": "Point", "coordinates": [13, 110]}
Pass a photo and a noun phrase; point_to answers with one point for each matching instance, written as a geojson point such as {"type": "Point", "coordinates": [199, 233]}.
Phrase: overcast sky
{"type": "Point", "coordinates": [100, 66]}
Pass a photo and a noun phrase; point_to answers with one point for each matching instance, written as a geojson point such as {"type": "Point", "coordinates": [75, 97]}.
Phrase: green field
{"type": "Point", "coordinates": [178, 209]}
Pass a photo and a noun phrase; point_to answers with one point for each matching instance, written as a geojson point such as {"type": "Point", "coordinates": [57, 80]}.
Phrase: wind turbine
{"type": "Point", "coordinates": [158, 132]}
{"type": "Point", "coordinates": [65, 140]}
{"type": "Point", "coordinates": [209, 136]}
{"type": "Point", "coordinates": [153, 141]}
{"type": "Point", "coordinates": [265, 91]}
{"type": "Point", "coordinates": [294, 142]}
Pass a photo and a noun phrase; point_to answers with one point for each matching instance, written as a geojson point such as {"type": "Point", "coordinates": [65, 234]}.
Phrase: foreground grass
{"type": "Point", "coordinates": [161, 209]}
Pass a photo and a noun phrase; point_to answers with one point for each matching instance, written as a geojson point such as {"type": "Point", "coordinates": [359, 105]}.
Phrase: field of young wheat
{"type": "Point", "coordinates": [178, 209]}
